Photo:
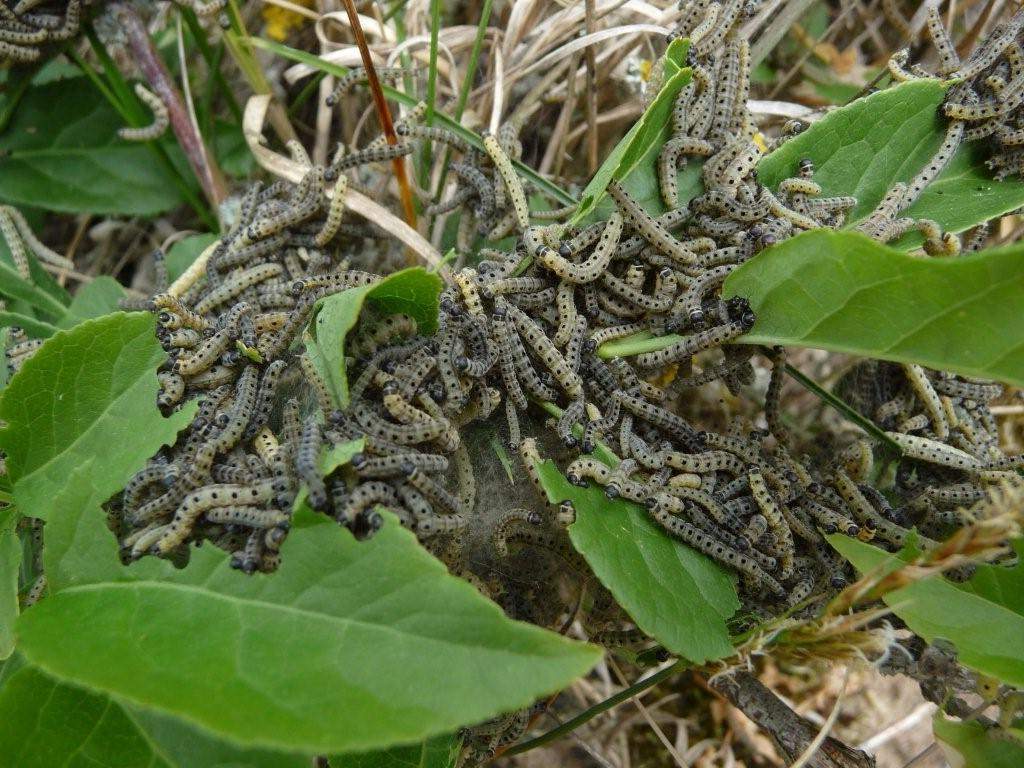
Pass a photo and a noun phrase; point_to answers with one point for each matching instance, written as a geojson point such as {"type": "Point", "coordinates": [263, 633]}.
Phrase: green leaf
{"type": "Point", "coordinates": [44, 723]}
{"type": "Point", "coordinates": [965, 194]}
{"type": "Point", "coordinates": [35, 329]}
{"type": "Point", "coordinates": [634, 161]}
{"type": "Point", "coordinates": [843, 291]}
{"type": "Point", "coordinates": [185, 251]}
{"type": "Point", "coordinates": [87, 394]}
{"type": "Point", "coordinates": [970, 745]}
{"type": "Point", "coordinates": [14, 286]}
{"type": "Point", "coordinates": [439, 752]}
{"type": "Point", "coordinates": [412, 291]}
{"type": "Point", "coordinates": [10, 566]}
{"type": "Point", "coordinates": [936, 608]}
{"type": "Point", "coordinates": [673, 593]}
{"type": "Point", "coordinates": [73, 161]}
{"type": "Point", "coordinates": [232, 152]}
{"type": "Point", "coordinates": [867, 146]}
{"type": "Point", "coordinates": [94, 299]}
{"type": "Point", "coordinates": [864, 148]}
{"type": "Point", "coordinates": [349, 646]}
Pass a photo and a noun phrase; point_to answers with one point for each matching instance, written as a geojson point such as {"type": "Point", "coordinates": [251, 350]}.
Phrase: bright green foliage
{"type": "Point", "coordinates": [867, 146]}
{"type": "Point", "coordinates": [672, 592]}
{"type": "Point", "coordinates": [965, 194]}
{"type": "Point", "coordinates": [439, 752]}
{"type": "Point", "coordinates": [349, 646]}
{"type": "Point", "coordinates": [44, 723]}
{"type": "Point", "coordinates": [937, 608]}
{"type": "Point", "coordinates": [412, 291]}
{"type": "Point", "coordinates": [87, 397]}
{"type": "Point", "coordinates": [10, 563]}
{"type": "Point", "coordinates": [634, 161]}
{"type": "Point", "coordinates": [185, 251]}
{"type": "Point", "coordinates": [845, 292]}
{"type": "Point", "coordinates": [969, 745]}
{"type": "Point", "coordinates": [72, 160]}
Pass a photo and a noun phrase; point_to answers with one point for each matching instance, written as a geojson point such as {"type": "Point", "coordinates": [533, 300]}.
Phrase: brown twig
{"type": "Point", "coordinates": [383, 113]}
{"type": "Point", "coordinates": [790, 732]}
{"type": "Point", "coordinates": [155, 72]}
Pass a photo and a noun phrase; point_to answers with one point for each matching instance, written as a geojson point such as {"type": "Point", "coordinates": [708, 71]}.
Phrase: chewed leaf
{"type": "Point", "coordinates": [412, 291]}
{"type": "Point", "coordinates": [672, 592]}
{"type": "Point", "coordinates": [864, 148]}
{"type": "Point", "coordinates": [109, 365]}
{"type": "Point", "coordinates": [395, 648]}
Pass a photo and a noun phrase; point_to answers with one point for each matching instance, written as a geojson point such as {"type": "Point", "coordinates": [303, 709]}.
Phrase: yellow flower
{"type": "Point", "coordinates": [281, 21]}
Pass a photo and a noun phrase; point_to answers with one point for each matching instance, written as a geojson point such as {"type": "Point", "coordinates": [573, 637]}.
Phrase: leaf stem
{"type": "Point", "coordinates": [589, 714]}
{"type": "Point", "coordinates": [844, 408]}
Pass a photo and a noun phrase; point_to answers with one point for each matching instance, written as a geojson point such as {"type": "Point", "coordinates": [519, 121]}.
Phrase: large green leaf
{"type": "Point", "coordinates": [412, 291]}
{"type": "Point", "coordinates": [970, 745]}
{"type": "Point", "coordinates": [61, 152]}
{"type": "Point", "coordinates": [87, 397]}
{"type": "Point", "coordinates": [845, 292]}
{"type": "Point", "coordinates": [937, 608]}
{"type": "Point", "coordinates": [350, 646]}
{"type": "Point", "coordinates": [673, 593]}
{"type": "Point", "coordinates": [439, 752]}
{"type": "Point", "coordinates": [867, 146]}
{"type": "Point", "coordinates": [10, 565]}
{"type": "Point", "coordinates": [634, 161]}
{"type": "Point", "coordinates": [44, 723]}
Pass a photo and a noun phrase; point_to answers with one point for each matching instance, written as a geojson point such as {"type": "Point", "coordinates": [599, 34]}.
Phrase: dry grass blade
{"type": "Point", "coordinates": [286, 168]}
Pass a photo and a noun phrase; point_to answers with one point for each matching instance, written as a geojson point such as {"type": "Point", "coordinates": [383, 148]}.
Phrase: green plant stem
{"type": "Point", "coordinates": [587, 715]}
{"type": "Point", "coordinates": [435, 27]}
{"type": "Point", "coordinates": [472, 138]}
{"type": "Point", "coordinates": [305, 94]}
{"type": "Point", "coordinates": [844, 408]}
{"type": "Point", "coordinates": [467, 84]}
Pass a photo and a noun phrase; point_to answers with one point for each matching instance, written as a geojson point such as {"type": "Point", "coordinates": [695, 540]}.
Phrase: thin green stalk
{"type": "Point", "coordinates": [395, 8]}
{"type": "Point", "coordinates": [212, 59]}
{"type": "Point", "coordinates": [305, 94]}
{"type": "Point", "coordinates": [403, 98]}
{"type": "Point", "coordinates": [435, 27]}
{"type": "Point", "coordinates": [467, 83]}
{"type": "Point", "coordinates": [587, 715]}
{"type": "Point", "coordinates": [844, 408]}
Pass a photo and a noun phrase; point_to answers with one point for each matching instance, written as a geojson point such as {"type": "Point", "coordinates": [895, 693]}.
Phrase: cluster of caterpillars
{"type": "Point", "coordinates": [525, 326]}
{"type": "Point", "coordinates": [985, 99]}
{"type": "Point", "coordinates": [28, 26]}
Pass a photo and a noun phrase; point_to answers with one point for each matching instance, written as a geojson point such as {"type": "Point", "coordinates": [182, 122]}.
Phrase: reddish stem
{"type": "Point", "coordinates": [162, 84]}
{"type": "Point", "coordinates": [383, 113]}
